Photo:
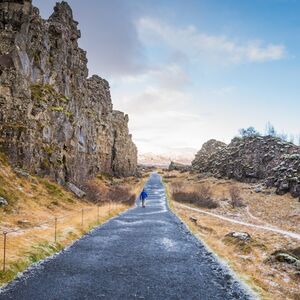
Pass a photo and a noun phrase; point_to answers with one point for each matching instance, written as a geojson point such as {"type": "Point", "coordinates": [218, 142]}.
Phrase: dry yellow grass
{"type": "Point", "coordinates": [34, 203]}
{"type": "Point", "coordinates": [249, 260]}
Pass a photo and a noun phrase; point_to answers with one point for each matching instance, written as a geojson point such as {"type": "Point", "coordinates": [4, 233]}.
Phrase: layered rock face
{"type": "Point", "coordinates": [54, 120]}
{"type": "Point", "coordinates": [252, 159]}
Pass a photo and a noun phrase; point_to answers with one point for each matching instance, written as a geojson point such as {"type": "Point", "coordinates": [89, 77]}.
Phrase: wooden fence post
{"type": "Point", "coordinates": [55, 229]}
{"type": "Point", "coordinates": [4, 250]}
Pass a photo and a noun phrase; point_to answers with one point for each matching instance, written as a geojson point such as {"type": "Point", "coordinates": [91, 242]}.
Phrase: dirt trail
{"type": "Point", "coordinates": [262, 227]}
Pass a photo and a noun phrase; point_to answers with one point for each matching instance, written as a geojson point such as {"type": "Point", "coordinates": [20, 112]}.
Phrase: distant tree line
{"type": "Point", "coordinates": [270, 131]}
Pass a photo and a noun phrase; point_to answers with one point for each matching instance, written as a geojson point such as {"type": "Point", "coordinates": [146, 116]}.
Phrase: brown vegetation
{"type": "Point", "coordinates": [33, 205]}
{"type": "Point", "coordinates": [200, 196]}
{"type": "Point", "coordinates": [270, 279]}
{"type": "Point", "coordinates": [100, 192]}
{"type": "Point", "coordinates": [235, 195]}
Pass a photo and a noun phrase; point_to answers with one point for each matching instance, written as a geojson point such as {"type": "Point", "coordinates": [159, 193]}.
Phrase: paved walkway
{"type": "Point", "coordinates": [145, 253]}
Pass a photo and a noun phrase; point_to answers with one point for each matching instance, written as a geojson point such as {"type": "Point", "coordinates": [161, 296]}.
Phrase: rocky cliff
{"type": "Point", "coordinates": [54, 120]}
{"type": "Point", "coordinates": [267, 159]}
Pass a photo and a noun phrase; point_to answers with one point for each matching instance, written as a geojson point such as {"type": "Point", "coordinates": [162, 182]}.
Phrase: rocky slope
{"type": "Point", "coordinates": [267, 159]}
{"type": "Point", "coordinates": [54, 120]}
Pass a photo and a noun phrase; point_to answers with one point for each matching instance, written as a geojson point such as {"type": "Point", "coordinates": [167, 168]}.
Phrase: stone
{"type": "Point", "coordinates": [3, 202]}
{"type": "Point", "coordinates": [77, 191]}
{"type": "Point", "coordinates": [242, 236]}
{"type": "Point", "coordinates": [289, 256]}
{"type": "Point", "coordinates": [54, 119]}
{"type": "Point", "coordinates": [285, 257]}
{"type": "Point", "coordinates": [21, 172]}
{"type": "Point", "coordinates": [258, 189]}
{"type": "Point", "coordinates": [193, 219]}
{"type": "Point", "coordinates": [24, 223]}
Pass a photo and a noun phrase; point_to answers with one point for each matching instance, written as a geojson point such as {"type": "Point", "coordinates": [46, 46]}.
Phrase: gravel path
{"type": "Point", "coordinates": [145, 253]}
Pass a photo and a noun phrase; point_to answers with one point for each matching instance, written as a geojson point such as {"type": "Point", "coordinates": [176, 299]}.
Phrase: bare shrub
{"type": "Point", "coordinates": [200, 197]}
{"type": "Point", "coordinates": [177, 186]}
{"type": "Point", "coordinates": [170, 176]}
{"type": "Point", "coordinates": [235, 196]}
{"type": "Point", "coordinates": [122, 194]}
{"type": "Point", "coordinates": [95, 191]}
{"type": "Point", "coordinates": [204, 191]}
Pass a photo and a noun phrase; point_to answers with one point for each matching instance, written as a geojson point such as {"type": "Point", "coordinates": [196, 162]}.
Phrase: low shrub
{"type": "Point", "coordinates": [235, 197]}
{"type": "Point", "coordinates": [177, 186]}
{"type": "Point", "coordinates": [200, 196]}
{"type": "Point", "coordinates": [97, 192]}
{"type": "Point", "coordinates": [122, 194]}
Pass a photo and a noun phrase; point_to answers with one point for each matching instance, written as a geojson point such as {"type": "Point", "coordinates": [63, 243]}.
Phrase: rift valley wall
{"type": "Point", "coordinates": [251, 159]}
{"type": "Point", "coordinates": [54, 120]}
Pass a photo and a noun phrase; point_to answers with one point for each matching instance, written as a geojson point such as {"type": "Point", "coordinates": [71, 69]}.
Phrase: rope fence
{"type": "Point", "coordinates": [53, 221]}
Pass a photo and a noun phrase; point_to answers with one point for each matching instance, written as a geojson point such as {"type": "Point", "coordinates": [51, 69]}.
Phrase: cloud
{"type": "Point", "coordinates": [190, 41]}
{"type": "Point", "coordinates": [109, 35]}
{"type": "Point", "coordinates": [162, 111]}
{"type": "Point", "coordinates": [117, 48]}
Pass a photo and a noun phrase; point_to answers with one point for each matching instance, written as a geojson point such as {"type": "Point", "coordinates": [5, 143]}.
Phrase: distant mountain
{"type": "Point", "coordinates": [180, 155]}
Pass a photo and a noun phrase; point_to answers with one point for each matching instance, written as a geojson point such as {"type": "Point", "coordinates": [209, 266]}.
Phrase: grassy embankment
{"type": "Point", "coordinates": [250, 260]}
{"type": "Point", "coordinates": [34, 203]}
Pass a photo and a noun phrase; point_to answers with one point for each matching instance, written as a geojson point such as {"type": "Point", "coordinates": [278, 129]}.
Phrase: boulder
{"type": "Point", "coordinates": [179, 167]}
{"type": "Point", "coordinates": [242, 236]}
{"type": "Point", "coordinates": [287, 256]}
{"type": "Point", "coordinates": [24, 223]}
{"type": "Point", "coordinates": [3, 202]}
{"type": "Point", "coordinates": [21, 172]}
{"type": "Point", "coordinates": [77, 191]}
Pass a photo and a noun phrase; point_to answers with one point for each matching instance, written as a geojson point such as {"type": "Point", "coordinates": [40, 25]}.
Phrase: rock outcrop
{"type": "Point", "coordinates": [200, 163]}
{"type": "Point", "coordinates": [54, 120]}
{"type": "Point", "coordinates": [252, 159]}
{"type": "Point", "coordinates": [175, 166]}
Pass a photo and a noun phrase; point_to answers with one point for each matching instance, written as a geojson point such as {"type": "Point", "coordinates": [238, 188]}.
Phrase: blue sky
{"type": "Point", "coordinates": [188, 71]}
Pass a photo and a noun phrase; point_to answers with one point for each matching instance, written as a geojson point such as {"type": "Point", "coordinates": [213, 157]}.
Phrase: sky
{"type": "Point", "coordinates": [188, 71]}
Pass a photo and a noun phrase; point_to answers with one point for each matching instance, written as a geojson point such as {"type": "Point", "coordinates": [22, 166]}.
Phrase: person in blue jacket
{"type": "Point", "coordinates": [143, 197]}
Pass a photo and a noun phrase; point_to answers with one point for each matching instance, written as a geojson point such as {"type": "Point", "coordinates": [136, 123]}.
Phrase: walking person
{"type": "Point", "coordinates": [143, 197]}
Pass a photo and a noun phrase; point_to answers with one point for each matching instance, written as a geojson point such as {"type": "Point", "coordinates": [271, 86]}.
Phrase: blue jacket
{"type": "Point", "coordinates": [143, 195]}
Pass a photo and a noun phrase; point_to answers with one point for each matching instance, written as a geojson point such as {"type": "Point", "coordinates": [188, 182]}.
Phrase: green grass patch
{"type": "Point", "coordinates": [53, 189]}
{"type": "Point", "coordinates": [36, 253]}
{"type": "Point", "coordinates": [46, 93]}
{"type": "Point", "coordinates": [57, 108]}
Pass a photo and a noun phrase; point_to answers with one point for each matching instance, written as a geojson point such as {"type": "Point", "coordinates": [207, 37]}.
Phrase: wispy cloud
{"type": "Point", "coordinates": [196, 44]}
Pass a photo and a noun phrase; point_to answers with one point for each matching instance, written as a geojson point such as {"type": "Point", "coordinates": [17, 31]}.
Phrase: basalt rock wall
{"type": "Point", "coordinates": [54, 120]}
{"type": "Point", "coordinates": [251, 159]}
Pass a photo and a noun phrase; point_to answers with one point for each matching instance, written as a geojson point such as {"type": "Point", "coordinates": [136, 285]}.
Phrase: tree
{"type": "Point", "coordinates": [292, 139]}
{"type": "Point", "coordinates": [250, 131]}
{"type": "Point", "coordinates": [283, 136]}
{"type": "Point", "coordinates": [270, 130]}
